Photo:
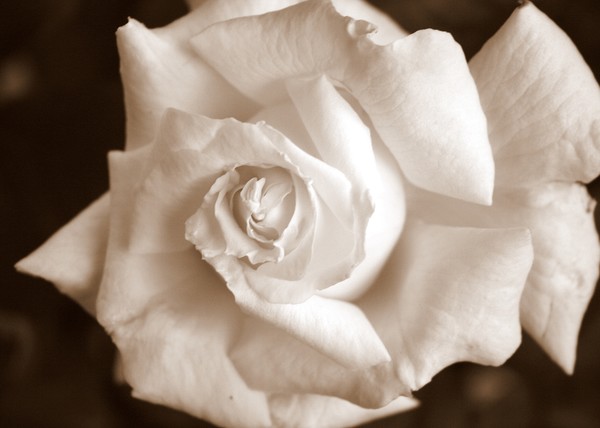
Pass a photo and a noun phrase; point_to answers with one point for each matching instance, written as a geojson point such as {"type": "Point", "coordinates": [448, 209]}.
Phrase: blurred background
{"type": "Point", "coordinates": [60, 113]}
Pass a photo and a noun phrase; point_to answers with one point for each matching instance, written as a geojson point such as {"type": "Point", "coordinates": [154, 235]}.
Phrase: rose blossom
{"type": "Point", "coordinates": [301, 229]}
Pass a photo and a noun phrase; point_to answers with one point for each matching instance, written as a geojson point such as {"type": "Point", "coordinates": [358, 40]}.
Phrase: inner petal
{"type": "Point", "coordinates": [264, 205]}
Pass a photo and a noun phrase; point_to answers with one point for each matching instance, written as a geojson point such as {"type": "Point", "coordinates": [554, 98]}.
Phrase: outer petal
{"type": "Point", "coordinates": [171, 317]}
{"type": "Point", "coordinates": [133, 275]}
{"type": "Point", "coordinates": [222, 10]}
{"type": "Point", "coordinates": [175, 351]}
{"type": "Point", "coordinates": [387, 29]}
{"type": "Point", "coordinates": [565, 241]}
{"type": "Point", "coordinates": [73, 258]}
{"type": "Point", "coordinates": [299, 411]}
{"type": "Point", "coordinates": [541, 100]}
{"type": "Point", "coordinates": [336, 328]}
{"type": "Point", "coordinates": [449, 295]}
{"type": "Point", "coordinates": [565, 271]}
{"type": "Point", "coordinates": [288, 365]}
{"type": "Point", "coordinates": [418, 91]}
{"type": "Point", "coordinates": [159, 71]}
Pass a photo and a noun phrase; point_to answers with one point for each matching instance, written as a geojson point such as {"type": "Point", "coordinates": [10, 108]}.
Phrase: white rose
{"type": "Point", "coordinates": [299, 232]}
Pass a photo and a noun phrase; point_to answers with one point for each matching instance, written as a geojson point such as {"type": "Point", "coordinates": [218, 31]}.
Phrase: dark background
{"type": "Point", "coordinates": [61, 111]}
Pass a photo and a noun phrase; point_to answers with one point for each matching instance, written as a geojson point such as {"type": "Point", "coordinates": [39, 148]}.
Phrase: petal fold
{"type": "Point", "coordinates": [387, 29]}
{"type": "Point", "coordinates": [417, 91]}
{"type": "Point", "coordinates": [541, 100]}
{"type": "Point", "coordinates": [453, 295]}
{"type": "Point", "coordinates": [174, 352]}
{"type": "Point", "coordinates": [560, 217]}
{"type": "Point", "coordinates": [337, 329]}
{"type": "Point", "coordinates": [159, 71]}
{"type": "Point", "coordinates": [288, 365]}
{"type": "Point", "coordinates": [565, 270]}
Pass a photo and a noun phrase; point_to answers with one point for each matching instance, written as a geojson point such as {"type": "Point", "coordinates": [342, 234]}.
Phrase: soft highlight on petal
{"type": "Point", "coordinates": [159, 71]}
{"type": "Point", "coordinates": [541, 100]}
{"type": "Point", "coordinates": [387, 31]}
{"type": "Point", "coordinates": [338, 329]}
{"type": "Point", "coordinates": [560, 217]}
{"type": "Point", "coordinates": [449, 295]}
{"type": "Point", "coordinates": [175, 352]}
{"type": "Point", "coordinates": [288, 365]}
{"type": "Point", "coordinates": [417, 91]}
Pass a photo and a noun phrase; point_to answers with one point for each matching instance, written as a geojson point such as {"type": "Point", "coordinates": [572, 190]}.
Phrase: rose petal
{"type": "Point", "coordinates": [174, 350]}
{"type": "Point", "coordinates": [288, 365]}
{"type": "Point", "coordinates": [335, 328]}
{"type": "Point", "coordinates": [566, 249]}
{"type": "Point", "coordinates": [190, 152]}
{"type": "Point", "coordinates": [155, 190]}
{"type": "Point", "coordinates": [339, 135]}
{"type": "Point", "coordinates": [73, 257]}
{"type": "Point", "coordinates": [285, 118]}
{"type": "Point", "coordinates": [383, 230]}
{"type": "Point", "coordinates": [385, 224]}
{"type": "Point", "coordinates": [298, 411]}
{"type": "Point", "coordinates": [218, 10]}
{"type": "Point", "coordinates": [159, 71]}
{"type": "Point", "coordinates": [417, 91]}
{"type": "Point", "coordinates": [565, 271]}
{"type": "Point", "coordinates": [448, 295]}
{"type": "Point", "coordinates": [171, 317]}
{"type": "Point", "coordinates": [542, 102]}
{"type": "Point", "coordinates": [387, 31]}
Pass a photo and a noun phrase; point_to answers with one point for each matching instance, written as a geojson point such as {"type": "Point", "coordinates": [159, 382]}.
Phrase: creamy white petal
{"type": "Point", "coordinates": [159, 71]}
{"type": "Point", "coordinates": [221, 10]}
{"type": "Point", "coordinates": [337, 131]}
{"type": "Point", "coordinates": [174, 351]}
{"type": "Point", "coordinates": [73, 258]}
{"type": "Point", "coordinates": [288, 365]}
{"type": "Point", "coordinates": [383, 231]}
{"type": "Point", "coordinates": [217, 10]}
{"type": "Point", "coordinates": [565, 271]}
{"type": "Point", "coordinates": [566, 250]}
{"type": "Point", "coordinates": [189, 153]}
{"type": "Point", "coordinates": [156, 190]}
{"type": "Point", "coordinates": [448, 295]}
{"type": "Point", "coordinates": [541, 100]}
{"type": "Point", "coordinates": [418, 91]}
{"type": "Point", "coordinates": [387, 31]}
{"type": "Point", "coordinates": [300, 411]}
{"type": "Point", "coordinates": [336, 328]}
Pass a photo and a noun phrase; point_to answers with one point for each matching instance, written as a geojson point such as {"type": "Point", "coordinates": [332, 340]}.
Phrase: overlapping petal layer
{"type": "Point", "coordinates": [417, 91]}
{"type": "Point", "coordinates": [174, 351]}
{"type": "Point", "coordinates": [543, 109]}
{"type": "Point", "coordinates": [155, 189]}
{"type": "Point", "coordinates": [541, 100]}
{"type": "Point", "coordinates": [448, 295]}
{"type": "Point", "coordinates": [387, 29]}
{"type": "Point", "coordinates": [561, 282]}
{"type": "Point", "coordinates": [288, 365]}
